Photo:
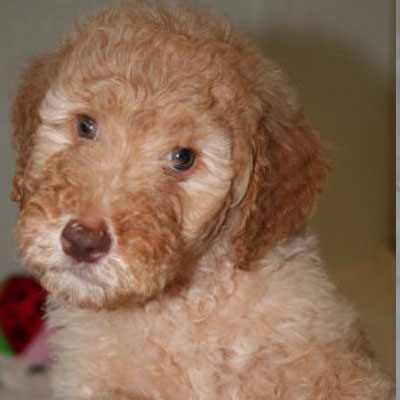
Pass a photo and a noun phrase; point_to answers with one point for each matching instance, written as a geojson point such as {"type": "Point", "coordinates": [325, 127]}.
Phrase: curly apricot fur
{"type": "Point", "coordinates": [210, 289]}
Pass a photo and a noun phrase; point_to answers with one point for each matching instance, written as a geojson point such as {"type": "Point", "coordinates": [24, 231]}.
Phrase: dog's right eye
{"type": "Point", "coordinates": [87, 127]}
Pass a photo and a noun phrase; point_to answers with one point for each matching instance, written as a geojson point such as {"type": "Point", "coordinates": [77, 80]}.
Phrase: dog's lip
{"type": "Point", "coordinates": [85, 271]}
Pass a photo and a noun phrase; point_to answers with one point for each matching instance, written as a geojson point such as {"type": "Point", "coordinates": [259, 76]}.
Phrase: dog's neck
{"type": "Point", "coordinates": [205, 273]}
{"type": "Point", "coordinates": [215, 282]}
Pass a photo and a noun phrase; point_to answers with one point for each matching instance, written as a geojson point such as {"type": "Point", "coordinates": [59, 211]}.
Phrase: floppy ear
{"type": "Point", "coordinates": [289, 170]}
{"type": "Point", "coordinates": [25, 115]}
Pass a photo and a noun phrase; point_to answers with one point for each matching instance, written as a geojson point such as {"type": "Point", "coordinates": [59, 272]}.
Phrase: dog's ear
{"type": "Point", "coordinates": [289, 169]}
{"type": "Point", "coordinates": [36, 81]}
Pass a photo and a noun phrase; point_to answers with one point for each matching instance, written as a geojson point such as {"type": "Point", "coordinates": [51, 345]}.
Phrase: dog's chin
{"type": "Point", "coordinates": [86, 291]}
{"type": "Point", "coordinates": [109, 284]}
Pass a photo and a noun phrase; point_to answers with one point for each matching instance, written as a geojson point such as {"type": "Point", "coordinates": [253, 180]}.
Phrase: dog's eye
{"type": "Point", "coordinates": [87, 127]}
{"type": "Point", "coordinates": [182, 159]}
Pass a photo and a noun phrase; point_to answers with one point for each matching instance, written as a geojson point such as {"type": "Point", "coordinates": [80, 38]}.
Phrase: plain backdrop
{"type": "Point", "coordinates": [340, 55]}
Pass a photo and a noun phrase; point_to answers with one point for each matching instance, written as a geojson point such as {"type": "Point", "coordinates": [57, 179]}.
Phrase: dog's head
{"type": "Point", "coordinates": [148, 137]}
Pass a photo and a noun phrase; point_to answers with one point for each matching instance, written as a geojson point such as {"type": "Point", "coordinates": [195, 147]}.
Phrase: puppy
{"type": "Point", "coordinates": [164, 175]}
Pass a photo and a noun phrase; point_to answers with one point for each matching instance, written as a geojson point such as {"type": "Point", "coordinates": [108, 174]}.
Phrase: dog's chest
{"type": "Point", "coordinates": [196, 346]}
{"type": "Point", "coordinates": [193, 347]}
{"type": "Point", "coordinates": [231, 336]}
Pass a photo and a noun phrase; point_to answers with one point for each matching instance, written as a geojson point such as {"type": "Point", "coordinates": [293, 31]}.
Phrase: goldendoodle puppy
{"type": "Point", "coordinates": [164, 175]}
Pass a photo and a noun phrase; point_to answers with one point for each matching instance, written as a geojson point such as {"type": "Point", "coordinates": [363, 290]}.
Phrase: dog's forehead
{"type": "Point", "coordinates": [131, 63]}
{"type": "Point", "coordinates": [145, 65]}
{"type": "Point", "coordinates": [139, 96]}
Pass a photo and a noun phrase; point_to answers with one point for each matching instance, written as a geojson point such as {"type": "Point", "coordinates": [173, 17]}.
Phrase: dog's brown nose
{"type": "Point", "coordinates": [85, 243]}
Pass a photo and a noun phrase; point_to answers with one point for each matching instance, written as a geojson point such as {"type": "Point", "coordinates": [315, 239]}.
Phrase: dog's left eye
{"type": "Point", "coordinates": [87, 127]}
{"type": "Point", "coordinates": [182, 159]}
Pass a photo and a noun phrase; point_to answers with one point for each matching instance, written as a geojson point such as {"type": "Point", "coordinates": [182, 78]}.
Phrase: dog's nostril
{"type": "Point", "coordinates": [85, 243]}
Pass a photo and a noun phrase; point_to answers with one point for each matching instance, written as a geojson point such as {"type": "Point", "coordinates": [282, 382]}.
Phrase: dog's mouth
{"type": "Point", "coordinates": [86, 272]}
{"type": "Point", "coordinates": [104, 283]}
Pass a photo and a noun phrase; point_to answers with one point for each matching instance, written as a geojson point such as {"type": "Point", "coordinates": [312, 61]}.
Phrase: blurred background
{"type": "Point", "coordinates": [341, 56]}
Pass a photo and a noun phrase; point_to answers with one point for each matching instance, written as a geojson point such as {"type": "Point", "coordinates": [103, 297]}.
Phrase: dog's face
{"type": "Point", "coordinates": [138, 149]}
{"type": "Point", "coordinates": [116, 198]}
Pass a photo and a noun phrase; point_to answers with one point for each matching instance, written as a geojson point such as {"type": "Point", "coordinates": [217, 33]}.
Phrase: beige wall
{"type": "Point", "coordinates": [340, 54]}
